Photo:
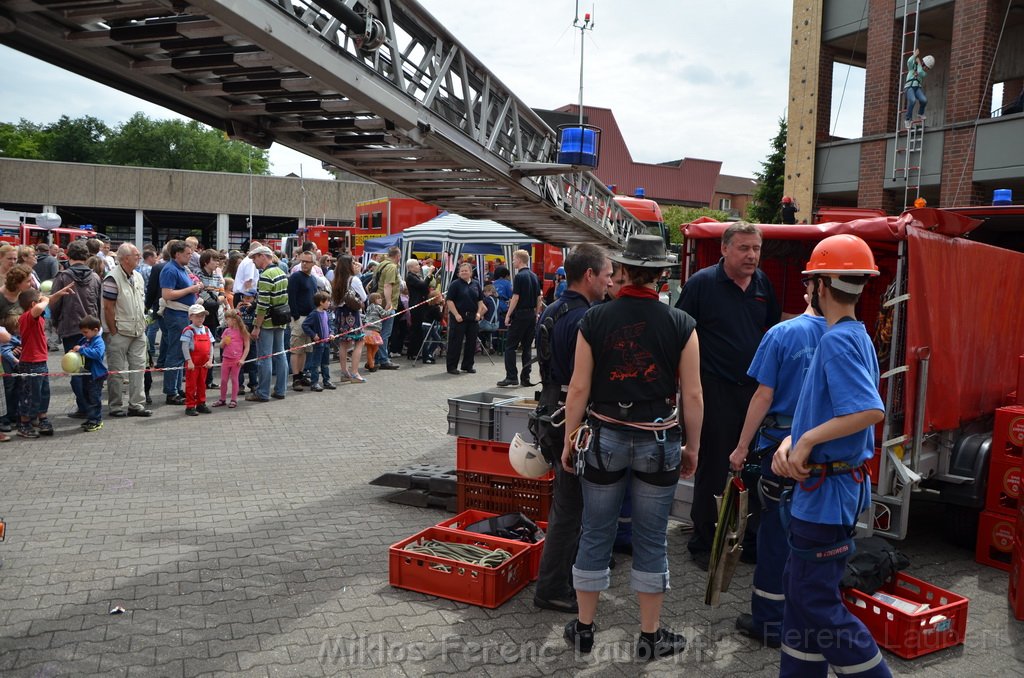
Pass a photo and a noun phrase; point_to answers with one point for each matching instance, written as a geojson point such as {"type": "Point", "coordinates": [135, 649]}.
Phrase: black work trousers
{"type": "Point", "coordinates": [565, 519]}
{"type": "Point", "coordinates": [725, 408]}
{"type": "Point", "coordinates": [461, 339]}
{"type": "Point", "coordinates": [520, 337]}
{"type": "Point", "coordinates": [416, 317]}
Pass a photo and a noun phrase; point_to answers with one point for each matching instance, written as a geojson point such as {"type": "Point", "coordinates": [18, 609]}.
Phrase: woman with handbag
{"type": "Point", "coordinates": [348, 296]}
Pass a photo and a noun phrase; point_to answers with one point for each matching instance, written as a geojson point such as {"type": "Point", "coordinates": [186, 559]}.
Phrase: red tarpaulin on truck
{"type": "Point", "coordinates": [964, 311]}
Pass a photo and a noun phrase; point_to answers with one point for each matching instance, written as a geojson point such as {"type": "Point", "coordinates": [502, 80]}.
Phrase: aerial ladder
{"type": "Point", "coordinates": [908, 149]}
{"type": "Point", "coordinates": [380, 89]}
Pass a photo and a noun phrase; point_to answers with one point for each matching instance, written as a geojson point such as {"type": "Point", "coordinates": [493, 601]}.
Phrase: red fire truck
{"type": "Point", "coordinates": [948, 337]}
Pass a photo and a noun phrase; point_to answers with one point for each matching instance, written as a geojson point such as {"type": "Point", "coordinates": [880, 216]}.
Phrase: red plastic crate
{"type": "Point", "coordinates": [995, 540]}
{"type": "Point", "coordinates": [471, 516]}
{"type": "Point", "coordinates": [1008, 434]}
{"type": "Point", "coordinates": [1015, 592]}
{"type": "Point", "coordinates": [504, 494]}
{"type": "Point", "coordinates": [942, 625]}
{"type": "Point", "coordinates": [486, 456]}
{"type": "Point", "coordinates": [456, 580]}
{"type": "Point", "coordinates": [1004, 485]}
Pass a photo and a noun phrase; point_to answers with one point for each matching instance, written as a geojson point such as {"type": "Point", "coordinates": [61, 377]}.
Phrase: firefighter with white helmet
{"type": "Point", "coordinates": [831, 440]}
{"type": "Point", "coordinates": [917, 70]}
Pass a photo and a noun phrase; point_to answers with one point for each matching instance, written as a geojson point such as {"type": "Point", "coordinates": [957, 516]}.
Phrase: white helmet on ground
{"type": "Point", "coordinates": [928, 61]}
{"type": "Point", "coordinates": [526, 459]}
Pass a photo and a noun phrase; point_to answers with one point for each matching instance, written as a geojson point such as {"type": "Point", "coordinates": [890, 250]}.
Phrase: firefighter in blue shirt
{"type": "Point", "coordinates": [779, 367]}
{"type": "Point", "coordinates": [832, 438]}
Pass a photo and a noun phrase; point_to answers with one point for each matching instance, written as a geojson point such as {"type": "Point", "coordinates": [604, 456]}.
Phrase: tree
{"type": "Point", "coordinates": [77, 140]}
{"type": "Point", "coordinates": [139, 142]}
{"type": "Point", "coordinates": [20, 140]}
{"type": "Point", "coordinates": [177, 144]}
{"type": "Point", "coordinates": [675, 216]}
{"type": "Point", "coordinates": [765, 208]}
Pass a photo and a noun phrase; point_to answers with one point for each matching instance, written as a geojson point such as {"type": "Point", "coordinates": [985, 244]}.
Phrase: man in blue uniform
{"type": "Point", "coordinates": [832, 438]}
{"type": "Point", "coordinates": [589, 276]}
{"type": "Point", "coordinates": [779, 367]}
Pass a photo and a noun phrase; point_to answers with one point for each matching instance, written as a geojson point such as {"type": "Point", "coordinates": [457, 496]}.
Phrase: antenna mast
{"type": "Point", "coordinates": [587, 24]}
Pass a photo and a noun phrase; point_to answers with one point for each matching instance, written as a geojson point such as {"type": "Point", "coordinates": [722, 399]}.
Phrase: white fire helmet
{"type": "Point", "coordinates": [526, 459]}
{"type": "Point", "coordinates": [928, 61]}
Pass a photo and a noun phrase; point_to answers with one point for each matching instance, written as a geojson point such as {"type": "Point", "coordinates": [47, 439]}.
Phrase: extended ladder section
{"type": "Point", "coordinates": [389, 95]}
{"type": "Point", "coordinates": [908, 146]}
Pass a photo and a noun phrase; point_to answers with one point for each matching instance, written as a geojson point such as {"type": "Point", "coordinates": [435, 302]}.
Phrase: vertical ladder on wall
{"type": "Point", "coordinates": [908, 146]}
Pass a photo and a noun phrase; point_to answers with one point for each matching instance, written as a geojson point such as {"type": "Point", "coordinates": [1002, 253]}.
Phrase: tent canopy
{"type": "Point", "coordinates": [459, 235]}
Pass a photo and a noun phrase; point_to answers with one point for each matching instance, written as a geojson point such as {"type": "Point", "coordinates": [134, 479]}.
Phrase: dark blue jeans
{"type": "Point", "coordinates": [319, 362]}
{"type": "Point", "coordinates": [77, 383]}
{"type": "Point", "coordinates": [94, 398]}
{"type": "Point", "coordinates": [35, 391]}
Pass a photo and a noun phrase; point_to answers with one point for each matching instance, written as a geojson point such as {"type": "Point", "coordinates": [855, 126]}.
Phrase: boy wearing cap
{"type": "Point", "coordinates": [195, 347]}
{"type": "Point", "coordinates": [832, 439]}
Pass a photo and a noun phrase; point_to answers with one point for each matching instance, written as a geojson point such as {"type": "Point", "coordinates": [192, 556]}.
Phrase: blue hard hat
{"type": "Point", "coordinates": [560, 271]}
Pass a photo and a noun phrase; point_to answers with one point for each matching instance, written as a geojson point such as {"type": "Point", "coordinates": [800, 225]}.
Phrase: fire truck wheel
{"type": "Point", "coordinates": [962, 525]}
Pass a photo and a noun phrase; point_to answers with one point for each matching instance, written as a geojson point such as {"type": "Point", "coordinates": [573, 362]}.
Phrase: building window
{"type": "Point", "coordinates": [725, 204]}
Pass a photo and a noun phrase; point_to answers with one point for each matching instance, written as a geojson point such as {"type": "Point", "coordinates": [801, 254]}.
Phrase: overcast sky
{"type": "Point", "coordinates": [700, 79]}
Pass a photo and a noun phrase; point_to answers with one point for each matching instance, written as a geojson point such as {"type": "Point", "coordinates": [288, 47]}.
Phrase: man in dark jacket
{"type": "Point", "coordinates": [67, 311]}
{"type": "Point", "coordinates": [46, 267]}
{"type": "Point", "coordinates": [418, 287]}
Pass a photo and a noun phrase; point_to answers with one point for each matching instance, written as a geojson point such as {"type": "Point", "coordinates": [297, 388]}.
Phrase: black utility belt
{"type": "Point", "coordinates": [644, 411]}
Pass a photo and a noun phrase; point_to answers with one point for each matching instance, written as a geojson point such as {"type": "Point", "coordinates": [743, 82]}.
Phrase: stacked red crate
{"type": "Point", "coordinates": [997, 524]}
{"type": "Point", "coordinates": [487, 481]}
{"type": "Point", "coordinates": [1016, 589]}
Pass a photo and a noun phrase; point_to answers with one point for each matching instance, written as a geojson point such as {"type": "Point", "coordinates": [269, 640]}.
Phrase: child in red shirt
{"type": "Point", "coordinates": [35, 391]}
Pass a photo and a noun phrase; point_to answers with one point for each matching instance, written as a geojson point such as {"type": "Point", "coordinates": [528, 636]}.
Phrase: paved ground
{"type": "Point", "coordinates": [249, 542]}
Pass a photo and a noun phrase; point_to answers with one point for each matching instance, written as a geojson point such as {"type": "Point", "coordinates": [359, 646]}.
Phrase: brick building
{"type": "Point", "coordinates": [970, 147]}
{"type": "Point", "coordinates": [689, 182]}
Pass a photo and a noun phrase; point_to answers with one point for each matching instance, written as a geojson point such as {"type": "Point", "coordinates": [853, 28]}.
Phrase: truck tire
{"type": "Point", "coordinates": [962, 525]}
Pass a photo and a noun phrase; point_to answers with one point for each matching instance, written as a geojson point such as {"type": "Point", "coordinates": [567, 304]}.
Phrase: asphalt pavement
{"type": "Point", "coordinates": [249, 542]}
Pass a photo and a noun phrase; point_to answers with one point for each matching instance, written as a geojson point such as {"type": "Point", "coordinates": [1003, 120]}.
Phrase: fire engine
{"type": "Point", "coordinates": [44, 228]}
{"type": "Point", "coordinates": [948, 359]}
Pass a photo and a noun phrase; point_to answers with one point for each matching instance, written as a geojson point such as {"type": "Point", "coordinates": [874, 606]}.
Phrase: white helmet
{"type": "Point", "coordinates": [526, 459]}
{"type": "Point", "coordinates": [928, 61]}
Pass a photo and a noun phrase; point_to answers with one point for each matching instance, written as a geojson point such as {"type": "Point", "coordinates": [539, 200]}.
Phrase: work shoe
{"type": "Point", "coordinates": [581, 640]}
{"type": "Point", "coordinates": [297, 385]}
{"type": "Point", "coordinates": [253, 398]}
{"type": "Point", "coordinates": [140, 413]}
{"type": "Point", "coordinates": [745, 625]}
{"type": "Point", "coordinates": [175, 400]}
{"type": "Point", "coordinates": [316, 388]}
{"type": "Point", "coordinates": [45, 427]}
{"type": "Point", "coordinates": [526, 383]}
{"type": "Point", "coordinates": [567, 604]}
{"type": "Point", "coordinates": [92, 426]}
{"type": "Point", "coordinates": [664, 644]}
{"type": "Point", "coordinates": [191, 411]}
{"type": "Point", "coordinates": [277, 396]}
{"type": "Point", "coordinates": [389, 366]}
{"type": "Point", "coordinates": [471, 370]}
{"type": "Point", "coordinates": [201, 408]}
{"type": "Point", "coordinates": [507, 383]}
{"type": "Point", "coordinates": [329, 386]}
{"type": "Point", "coordinates": [117, 413]}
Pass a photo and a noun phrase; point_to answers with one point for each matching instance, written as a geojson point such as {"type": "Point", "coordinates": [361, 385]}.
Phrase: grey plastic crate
{"type": "Point", "coordinates": [512, 418]}
{"type": "Point", "coordinates": [472, 416]}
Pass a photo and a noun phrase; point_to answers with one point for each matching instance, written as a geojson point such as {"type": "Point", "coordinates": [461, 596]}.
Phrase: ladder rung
{"type": "Point", "coordinates": [913, 188]}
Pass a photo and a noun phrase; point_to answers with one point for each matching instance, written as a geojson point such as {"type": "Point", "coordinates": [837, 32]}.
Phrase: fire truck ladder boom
{"type": "Point", "coordinates": [379, 89]}
{"type": "Point", "coordinates": [908, 146]}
